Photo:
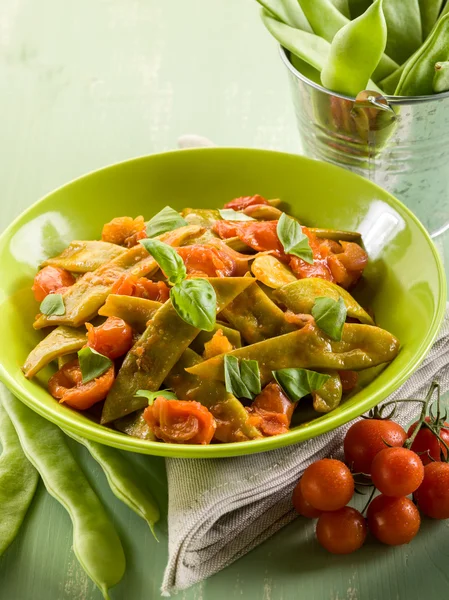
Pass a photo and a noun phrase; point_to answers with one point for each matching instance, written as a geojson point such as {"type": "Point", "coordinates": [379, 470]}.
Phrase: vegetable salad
{"type": "Point", "coordinates": [207, 326]}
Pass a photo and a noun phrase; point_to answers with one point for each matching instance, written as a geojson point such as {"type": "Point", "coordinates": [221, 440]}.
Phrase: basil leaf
{"type": "Point", "coordinates": [232, 215]}
{"type": "Point", "coordinates": [151, 396]}
{"type": "Point", "coordinates": [167, 258]}
{"type": "Point", "coordinates": [298, 383]}
{"type": "Point", "coordinates": [330, 316]}
{"type": "Point", "coordinates": [53, 304]}
{"type": "Point", "coordinates": [293, 239]}
{"type": "Point", "coordinates": [250, 375]}
{"type": "Point", "coordinates": [242, 380]}
{"type": "Point", "coordinates": [195, 302]}
{"type": "Point", "coordinates": [92, 363]}
{"type": "Point", "coordinates": [165, 220]}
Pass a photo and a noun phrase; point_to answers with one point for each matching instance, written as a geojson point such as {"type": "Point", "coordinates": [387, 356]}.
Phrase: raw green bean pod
{"type": "Point", "coordinates": [18, 482]}
{"type": "Point", "coordinates": [404, 28]}
{"type": "Point", "coordinates": [85, 256]}
{"type": "Point", "coordinates": [441, 77]}
{"type": "Point", "coordinates": [355, 52]}
{"type": "Point", "coordinates": [430, 11]}
{"type": "Point", "coordinates": [289, 12]}
{"type": "Point", "coordinates": [419, 72]}
{"type": "Point", "coordinates": [357, 7]}
{"type": "Point", "coordinates": [95, 540]}
{"type": "Point", "coordinates": [343, 7]}
{"type": "Point", "coordinates": [124, 480]}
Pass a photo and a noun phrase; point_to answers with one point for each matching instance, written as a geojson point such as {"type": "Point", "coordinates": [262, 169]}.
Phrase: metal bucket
{"type": "Point", "coordinates": [401, 143]}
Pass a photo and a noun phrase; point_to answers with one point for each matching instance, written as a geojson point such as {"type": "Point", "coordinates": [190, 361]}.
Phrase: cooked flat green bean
{"type": "Point", "coordinates": [300, 296]}
{"type": "Point", "coordinates": [256, 316]}
{"type": "Point", "coordinates": [270, 271]}
{"type": "Point", "coordinates": [135, 311]}
{"type": "Point", "coordinates": [62, 360]}
{"type": "Point", "coordinates": [441, 77]}
{"type": "Point", "coordinates": [153, 356]}
{"type": "Point", "coordinates": [419, 72]}
{"type": "Point", "coordinates": [404, 28]}
{"type": "Point", "coordinates": [336, 234]}
{"type": "Point", "coordinates": [95, 540]}
{"type": "Point", "coordinates": [287, 11]}
{"type": "Point", "coordinates": [83, 299]}
{"type": "Point", "coordinates": [355, 52]}
{"type": "Point", "coordinates": [18, 482]}
{"type": "Point", "coordinates": [62, 340]}
{"type": "Point", "coordinates": [203, 217]}
{"type": "Point", "coordinates": [362, 346]}
{"type": "Point", "coordinates": [329, 395]}
{"type": "Point", "coordinates": [136, 426]}
{"type": "Point", "coordinates": [85, 256]}
{"type": "Point", "coordinates": [125, 482]}
{"type": "Point", "coordinates": [430, 10]}
{"type": "Point", "coordinates": [205, 336]}
{"type": "Point", "coordinates": [326, 20]}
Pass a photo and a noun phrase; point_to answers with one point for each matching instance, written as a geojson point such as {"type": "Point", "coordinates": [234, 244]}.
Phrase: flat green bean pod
{"type": "Point", "coordinates": [430, 10]}
{"type": "Point", "coordinates": [357, 7]}
{"type": "Point", "coordinates": [441, 77]}
{"type": "Point", "coordinates": [336, 234]}
{"type": "Point", "coordinates": [18, 481]}
{"type": "Point", "coordinates": [355, 52]}
{"type": "Point", "coordinates": [203, 217]}
{"type": "Point", "coordinates": [329, 395]}
{"type": "Point", "coordinates": [85, 256]}
{"type": "Point", "coordinates": [419, 72]}
{"type": "Point", "coordinates": [404, 28]}
{"type": "Point", "coordinates": [205, 336]}
{"type": "Point", "coordinates": [59, 342]}
{"type": "Point", "coordinates": [95, 540]}
{"type": "Point", "coordinates": [135, 311]}
{"type": "Point", "coordinates": [84, 298]}
{"type": "Point", "coordinates": [158, 349]}
{"type": "Point", "coordinates": [300, 296]}
{"type": "Point", "coordinates": [362, 346]}
{"type": "Point", "coordinates": [124, 480]}
{"type": "Point", "coordinates": [289, 12]}
{"type": "Point", "coordinates": [136, 426]}
{"type": "Point", "coordinates": [343, 7]}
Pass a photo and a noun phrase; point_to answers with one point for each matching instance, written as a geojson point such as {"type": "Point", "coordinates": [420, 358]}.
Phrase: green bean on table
{"type": "Point", "coordinates": [355, 52]}
{"type": "Point", "coordinates": [18, 482]}
{"type": "Point", "coordinates": [124, 480]}
{"type": "Point", "coordinates": [95, 540]}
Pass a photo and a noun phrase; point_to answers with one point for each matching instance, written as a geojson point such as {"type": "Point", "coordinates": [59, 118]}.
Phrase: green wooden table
{"type": "Point", "coordinates": [88, 83]}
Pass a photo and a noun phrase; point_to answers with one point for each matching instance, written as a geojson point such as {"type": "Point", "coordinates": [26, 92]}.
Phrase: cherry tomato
{"type": "Point", "coordinates": [112, 339]}
{"type": "Point", "coordinates": [366, 438]}
{"type": "Point", "coordinates": [342, 531]}
{"type": "Point", "coordinates": [180, 421]}
{"type": "Point", "coordinates": [245, 201]}
{"type": "Point", "coordinates": [327, 484]}
{"type": "Point", "coordinates": [206, 261]}
{"type": "Point", "coordinates": [348, 380]}
{"type": "Point", "coordinates": [397, 471]}
{"type": "Point", "coordinates": [67, 386]}
{"type": "Point", "coordinates": [393, 521]}
{"type": "Point", "coordinates": [141, 287]}
{"type": "Point", "coordinates": [427, 445]}
{"type": "Point", "coordinates": [432, 495]}
{"type": "Point", "coordinates": [50, 280]}
{"type": "Point", "coordinates": [348, 265]}
{"type": "Point", "coordinates": [302, 506]}
{"type": "Point", "coordinates": [124, 231]}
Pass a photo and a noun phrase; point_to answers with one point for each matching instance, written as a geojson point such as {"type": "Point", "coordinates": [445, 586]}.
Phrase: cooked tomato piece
{"type": "Point", "coordinates": [202, 260]}
{"type": "Point", "coordinates": [347, 266]}
{"type": "Point", "coordinates": [259, 235]}
{"type": "Point", "coordinates": [271, 411]}
{"type": "Point", "coordinates": [124, 231]}
{"type": "Point", "coordinates": [67, 386]}
{"type": "Point", "coordinates": [319, 268]}
{"type": "Point", "coordinates": [50, 280]}
{"type": "Point", "coordinates": [141, 287]}
{"type": "Point", "coordinates": [180, 421]}
{"type": "Point", "coordinates": [112, 339]}
{"type": "Point", "coordinates": [218, 344]}
{"type": "Point", "coordinates": [348, 380]}
{"type": "Point", "coordinates": [226, 229]}
{"type": "Point", "coordinates": [245, 201]}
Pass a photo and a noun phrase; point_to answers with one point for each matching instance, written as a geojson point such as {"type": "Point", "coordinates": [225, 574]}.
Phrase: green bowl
{"type": "Point", "coordinates": [404, 282]}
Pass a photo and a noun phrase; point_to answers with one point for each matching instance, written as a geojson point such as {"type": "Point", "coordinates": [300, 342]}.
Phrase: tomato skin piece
{"type": "Point", "coordinates": [112, 339]}
{"type": "Point", "coordinates": [348, 380]}
{"type": "Point", "coordinates": [271, 411]}
{"type": "Point", "coordinates": [206, 261]}
{"type": "Point", "coordinates": [432, 495]}
{"type": "Point", "coordinates": [301, 505]}
{"type": "Point", "coordinates": [180, 421]}
{"type": "Point", "coordinates": [342, 531]}
{"type": "Point", "coordinates": [347, 266]}
{"type": "Point", "coordinates": [393, 521]}
{"type": "Point", "coordinates": [245, 201]}
{"type": "Point", "coordinates": [366, 438]}
{"type": "Point", "coordinates": [141, 287]}
{"type": "Point", "coordinates": [124, 231]}
{"type": "Point", "coordinates": [67, 386]}
{"type": "Point", "coordinates": [426, 443]}
{"type": "Point", "coordinates": [319, 268]}
{"type": "Point", "coordinates": [51, 280]}
{"type": "Point", "coordinates": [397, 472]}
{"type": "Point", "coordinates": [327, 484]}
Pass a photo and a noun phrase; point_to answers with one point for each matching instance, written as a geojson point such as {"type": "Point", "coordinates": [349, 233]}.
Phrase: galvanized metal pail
{"type": "Point", "coordinates": [401, 143]}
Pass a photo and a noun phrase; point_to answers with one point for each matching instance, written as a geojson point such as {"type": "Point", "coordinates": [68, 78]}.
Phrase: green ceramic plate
{"type": "Point", "coordinates": [405, 281]}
